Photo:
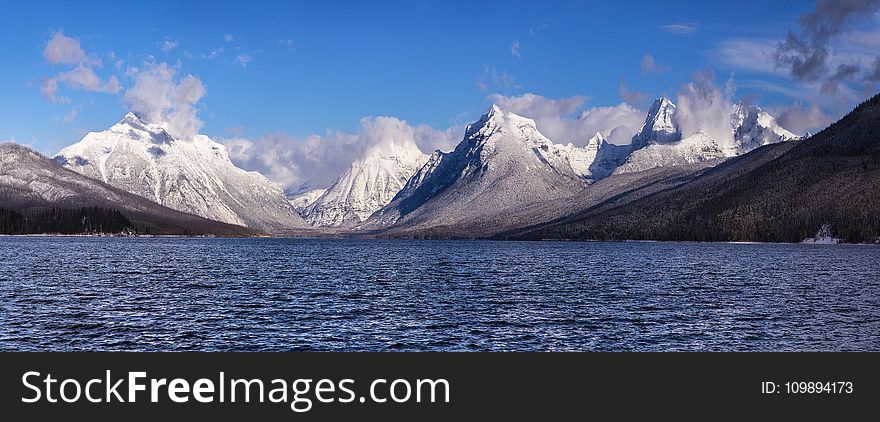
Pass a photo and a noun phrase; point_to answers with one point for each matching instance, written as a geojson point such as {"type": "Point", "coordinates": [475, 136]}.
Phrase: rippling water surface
{"type": "Point", "coordinates": [79, 293]}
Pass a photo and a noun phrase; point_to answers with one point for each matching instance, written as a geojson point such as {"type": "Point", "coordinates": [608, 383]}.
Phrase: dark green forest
{"type": "Point", "coordinates": [778, 193]}
{"type": "Point", "coordinates": [88, 220]}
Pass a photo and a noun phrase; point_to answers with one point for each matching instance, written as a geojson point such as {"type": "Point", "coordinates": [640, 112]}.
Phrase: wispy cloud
{"type": "Point", "coordinates": [243, 59]}
{"type": "Point", "coordinates": [286, 43]}
{"type": "Point", "coordinates": [650, 65]}
{"type": "Point", "coordinates": [66, 51]}
{"type": "Point", "coordinates": [229, 38]}
{"type": "Point", "coordinates": [169, 45]}
{"type": "Point", "coordinates": [514, 49]}
{"type": "Point", "coordinates": [747, 54]}
{"type": "Point", "coordinates": [680, 28]}
{"type": "Point", "coordinates": [492, 78]}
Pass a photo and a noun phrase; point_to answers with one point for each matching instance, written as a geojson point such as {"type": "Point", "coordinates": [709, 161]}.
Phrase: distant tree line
{"type": "Point", "coordinates": [87, 220]}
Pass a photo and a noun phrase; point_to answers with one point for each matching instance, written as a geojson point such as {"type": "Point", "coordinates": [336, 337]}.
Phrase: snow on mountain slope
{"type": "Point", "coordinates": [302, 201]}
{"type": "Point", "coordinates": [368, 185]}
{"type": "Point", "coordinates": [29, 180]}
{"type": "Point", "coordinates": [502, 162]}
{"type": "Point", "coordinates": [658, 144]}
{"type": "Point", "coordinates": [194, 176]}
{"type": "Point", "coordinates": [754, 127]}
{"type": "Point", "coordinates": [692, 149]}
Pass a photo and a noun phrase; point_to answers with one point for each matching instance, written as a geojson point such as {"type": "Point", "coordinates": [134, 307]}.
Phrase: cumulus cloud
{"type": "Point", "coordinates": [159, 95]}
{"type": "Point", "coordinates": [85, 78]}
{"type": "Point", "coordinates": [299, 164]}
{"type": "Point", "coordinates": [62, 49]}
{"type": "Point", "coordinates": [705, 106]}
{"type": "Point", "coordinates": [66, 51]}
{"type": "Point", "coordinates": [807, 55]}
{"type": "Point", "coordinates": [514, 49]}
{"type": "Point", "coordinates": [650, 65]}
{"type": "Point", "coordinates": [561, 121]}
{"type": "Point", "coordinates": [680, 28]}
{"type": "Point", "coordinates": [801, 119]}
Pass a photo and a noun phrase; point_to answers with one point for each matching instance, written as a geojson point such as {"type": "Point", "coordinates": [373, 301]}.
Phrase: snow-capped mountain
{"type": "Point", "coordinates": [30, 181]}
{"type": "Point", "coordinates": [302, 201]}
{"type": "Point", "coordinates": [661, 143]}
{"type": "Point", "coordinates": [193, 175]}
{"type": "Point", "coordinates": [368, 185]}
{"type": "Point", "coordinates": [502, 162]}
{"type": "Point", "coordinates": [754, 127]}
{"type": "Point", "coordinates": [660, 125]}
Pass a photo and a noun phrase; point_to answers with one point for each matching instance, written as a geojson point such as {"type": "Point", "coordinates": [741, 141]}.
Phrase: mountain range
{"type": "Point", "coordinates": [505, 179]}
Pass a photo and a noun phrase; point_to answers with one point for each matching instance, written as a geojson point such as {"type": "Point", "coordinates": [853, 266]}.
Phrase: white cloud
{"type": "Point", "coordinates": [650, 65]}
{"type": "Point", "coordinates": [158, 95]}
{"type": "Point", "coordinates": [680, 28]}
{"type": "Point", "coordinates": [704, 106]}
{"type": "Point", "coordinates": [169, 45]}
{"type": "Point", "coordinates": [85, 78]}
{"type": "Point", "coordinates": [65, 50]}
{"type": "Point", "coordinates": [559, 120]}
{"type": "Point", "coordinates": [302, 163]}
{"type": "Point", "coordinates": [514, 49]}
{"type": "Point", "coordinates": [243, 59]}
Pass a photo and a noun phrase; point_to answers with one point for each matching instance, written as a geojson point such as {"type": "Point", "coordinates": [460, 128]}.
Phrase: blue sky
{"type": "Point", "coordinates": [301, 68]}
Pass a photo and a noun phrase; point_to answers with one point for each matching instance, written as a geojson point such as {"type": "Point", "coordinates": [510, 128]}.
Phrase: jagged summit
{"type": "Point", "coordinates": [502, 162]}
{"type": "Point", "coordinates": [194, 175]}
{"type": "Point", "coordinates": [660, 125]}
{"type": "Point", "coordinates": [754, 127]}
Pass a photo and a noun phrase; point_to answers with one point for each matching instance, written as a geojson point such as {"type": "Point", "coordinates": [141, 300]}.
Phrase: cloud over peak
{"type": "Point", "coordinates": [563, 120]}
{"type": "Point", "coordinates": [160, 96]}
{"type": "Point", "coordinates": [298, 163]}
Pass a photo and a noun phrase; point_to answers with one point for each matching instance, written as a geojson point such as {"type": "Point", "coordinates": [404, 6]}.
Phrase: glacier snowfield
{"type": "Point", "coordinates": [81, 293]}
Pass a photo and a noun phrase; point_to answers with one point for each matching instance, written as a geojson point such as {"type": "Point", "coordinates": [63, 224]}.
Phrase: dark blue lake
{"type": "Point", "coordinates": [81, 293]}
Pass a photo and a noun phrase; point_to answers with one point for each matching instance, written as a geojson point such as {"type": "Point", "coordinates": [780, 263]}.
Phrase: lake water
{"type": "Point", "coordinates": [82, 293]}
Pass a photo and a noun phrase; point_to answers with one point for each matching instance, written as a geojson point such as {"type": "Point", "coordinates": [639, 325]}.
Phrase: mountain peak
{"type": "Point", "coordinates": [660, 125]}
{"type": "Point", "coordinates": [597, 139]}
